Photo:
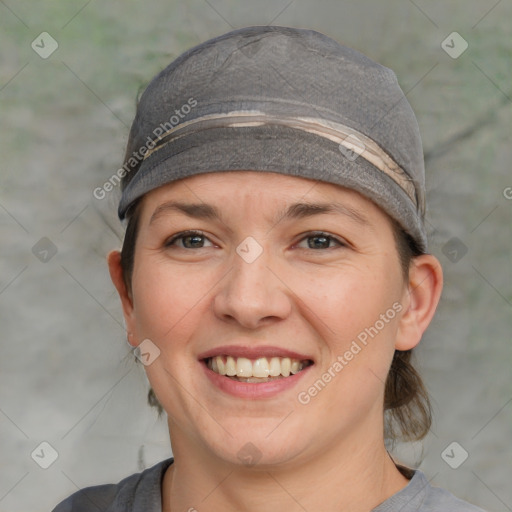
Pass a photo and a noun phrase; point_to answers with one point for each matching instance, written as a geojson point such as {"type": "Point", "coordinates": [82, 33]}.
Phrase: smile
{"type": "Point", "coordinates": [258, 370]}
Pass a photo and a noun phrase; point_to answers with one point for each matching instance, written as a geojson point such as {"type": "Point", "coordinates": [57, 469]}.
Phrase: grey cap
{"type": "Point", "coordinates": [283, 100]}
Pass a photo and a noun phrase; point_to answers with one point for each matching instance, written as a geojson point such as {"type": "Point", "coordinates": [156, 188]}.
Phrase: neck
{"type": "Point", "coordinates": [358, 474]}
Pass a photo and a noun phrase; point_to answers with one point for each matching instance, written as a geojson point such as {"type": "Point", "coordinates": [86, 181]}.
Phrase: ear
{"type": "Point", "coordinates": [116, 274]}
{"type": "Point", "coordinates": [420, 300]}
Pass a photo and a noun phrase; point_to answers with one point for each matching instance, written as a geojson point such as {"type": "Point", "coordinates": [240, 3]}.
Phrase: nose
{"type": "Point", "coordinates": [252, 294]}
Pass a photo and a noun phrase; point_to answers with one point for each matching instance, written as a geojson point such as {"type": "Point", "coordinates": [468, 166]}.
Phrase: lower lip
{"type": "Point", "coordinates": [253, 390]}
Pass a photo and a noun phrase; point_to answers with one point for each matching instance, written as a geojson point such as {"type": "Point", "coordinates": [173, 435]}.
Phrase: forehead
{"type": "Point", "coordinates": [234, 197]}
{"type": "Point", "coordinates": [257, 187]}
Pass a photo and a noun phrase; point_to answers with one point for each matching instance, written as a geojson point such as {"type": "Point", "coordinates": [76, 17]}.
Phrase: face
{"type": "Point", "coordinates": [300, 305]}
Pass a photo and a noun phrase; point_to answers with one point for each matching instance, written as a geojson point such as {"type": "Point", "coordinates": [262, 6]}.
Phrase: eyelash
{"type": "Point", "coordinates": [312, 234]}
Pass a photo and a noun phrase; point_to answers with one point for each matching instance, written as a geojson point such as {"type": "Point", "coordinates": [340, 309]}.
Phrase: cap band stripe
{"type": "Point", "coordinates": [338, 133]}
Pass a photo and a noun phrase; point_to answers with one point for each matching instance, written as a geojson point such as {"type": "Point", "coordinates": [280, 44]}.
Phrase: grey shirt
{"type": "Point", "coordinates": [142, 493]}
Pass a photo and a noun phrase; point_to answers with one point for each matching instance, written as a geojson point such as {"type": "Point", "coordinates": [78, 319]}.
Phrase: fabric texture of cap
{"type": "Point", "coordinates": [285, 100]}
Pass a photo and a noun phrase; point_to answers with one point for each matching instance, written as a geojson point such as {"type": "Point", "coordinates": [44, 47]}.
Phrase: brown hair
{"type": "Point", "coordinates": [407, 407]}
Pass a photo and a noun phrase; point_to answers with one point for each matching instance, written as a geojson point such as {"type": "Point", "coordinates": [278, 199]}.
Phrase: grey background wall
{"type": "Point", "coordinates": [67, 377]}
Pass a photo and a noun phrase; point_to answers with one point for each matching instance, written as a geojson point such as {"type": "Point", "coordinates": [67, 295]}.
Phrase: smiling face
{"type": "Point", "coordinates": [276, 303]}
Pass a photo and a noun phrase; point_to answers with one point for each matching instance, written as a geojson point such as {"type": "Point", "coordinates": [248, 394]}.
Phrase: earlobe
{"type": "Point", "coordinates": [423, 294]}
{"type": "Point", "coordinates": [116, 274]}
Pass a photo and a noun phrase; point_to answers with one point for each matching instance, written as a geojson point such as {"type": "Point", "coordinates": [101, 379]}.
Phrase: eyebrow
{"type": "Point", "coordinates": [194, 210]}
{"type": "Point", "coordinates": [295, 211]}
{"type": "Point", "coordinates": [304, 210]}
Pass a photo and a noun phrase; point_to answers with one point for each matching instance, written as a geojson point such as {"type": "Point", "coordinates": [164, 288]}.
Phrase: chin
{"type": "Point", "coordinates": [264, 447]}
{"type": "Point", "coordinates": [259, 458]}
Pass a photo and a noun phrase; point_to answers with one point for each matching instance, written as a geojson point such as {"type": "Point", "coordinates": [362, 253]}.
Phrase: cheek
{"type": "Point", "coordinates": [349, 300]}
{"type": "Point", "coordinates": [166, 299]}
{"type": "Point", "coordinates": [169, 309]}
{"type": "Point", "coordinates": [356, 313]}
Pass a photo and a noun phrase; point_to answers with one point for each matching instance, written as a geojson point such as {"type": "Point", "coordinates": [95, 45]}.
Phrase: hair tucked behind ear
{"type": "Point", "coordinates": [408, 411]}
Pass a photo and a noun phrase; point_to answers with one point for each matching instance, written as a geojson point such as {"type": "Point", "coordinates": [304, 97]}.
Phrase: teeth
{"type": "Point", "coordinates": [220, 365]}
{"type": "Point", "coordinates": [243, 367]}
{"type": "Point", "coordinates": [230, 366]}
{"type": "Point", "coordinates": [255, 371]}
{"type": "Point", "coordinates": [286, 364]}
{"type": "Point", "coordinates": [275, 367]}
{"type": "Point", "coordinates": [260, 368]}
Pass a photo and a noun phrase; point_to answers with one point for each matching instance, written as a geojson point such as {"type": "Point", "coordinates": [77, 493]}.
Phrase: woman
{"type": "Point", "coordinates": [275, 278]}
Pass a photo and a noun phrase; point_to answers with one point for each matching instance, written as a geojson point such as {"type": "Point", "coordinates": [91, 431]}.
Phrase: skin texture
{"type": "Point", "coordinates": [328, 454]}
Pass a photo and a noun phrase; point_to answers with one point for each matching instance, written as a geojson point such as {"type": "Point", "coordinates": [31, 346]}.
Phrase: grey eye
{"type": "Point", "coordinates": [320, 241]}
{"type": "Point", "coordinates": [190, 240]}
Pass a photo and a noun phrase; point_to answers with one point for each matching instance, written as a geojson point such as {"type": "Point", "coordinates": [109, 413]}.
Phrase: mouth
{"type": "Point", "coordinates": [258, 370]}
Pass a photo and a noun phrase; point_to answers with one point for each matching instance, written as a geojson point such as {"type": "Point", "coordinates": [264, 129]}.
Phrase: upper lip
{"type": "Point", "coordinates": [253, 352]}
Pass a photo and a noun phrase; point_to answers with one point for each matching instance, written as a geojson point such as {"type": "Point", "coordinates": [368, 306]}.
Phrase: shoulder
{"type": "Point", "coordinates": [140, 491]}
{"type": "Point", "coordinates": [437, 499]}
{"type": "Point", "coordinates": [420, 496]}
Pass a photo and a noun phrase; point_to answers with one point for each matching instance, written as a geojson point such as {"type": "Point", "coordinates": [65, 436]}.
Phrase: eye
{"type": "Point", "coordinates": [320, 240]}
{"type": "Point", "coordinates": [189, 239]}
